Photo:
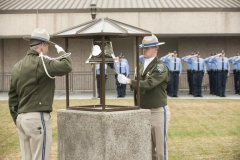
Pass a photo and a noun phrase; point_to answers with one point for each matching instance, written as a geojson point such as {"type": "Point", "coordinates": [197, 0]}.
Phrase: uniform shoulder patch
{"type": "Point", "coordinates": [160, 68]}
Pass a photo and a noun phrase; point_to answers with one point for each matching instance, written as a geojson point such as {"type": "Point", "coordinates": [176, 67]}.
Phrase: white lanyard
{"type": "Point", "coordinates": [53, 59]}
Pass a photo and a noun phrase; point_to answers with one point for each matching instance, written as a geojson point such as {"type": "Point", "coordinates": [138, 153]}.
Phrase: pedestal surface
{"type": "Point", "coordinates": [121, 135]}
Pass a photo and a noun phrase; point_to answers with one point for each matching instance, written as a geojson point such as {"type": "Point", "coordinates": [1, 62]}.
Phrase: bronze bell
{"type": "Point", "coordinates": [96, 54]}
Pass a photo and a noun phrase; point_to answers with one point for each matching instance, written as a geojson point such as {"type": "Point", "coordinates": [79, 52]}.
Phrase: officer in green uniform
{"type": "Point", "coordinates": [154, 79]}
{"type": "Point", "coordinates": [31, 94]}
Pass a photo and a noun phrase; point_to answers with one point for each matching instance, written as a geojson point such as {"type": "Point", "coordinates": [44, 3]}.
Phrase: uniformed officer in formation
{"type": "Point", "coordinates": [121, 67]}
{"type": "Point", "coordinates": [98, 77]}
{"type": "Point", "coordinates": [141, 59]}
{"type": "Point", "coordinates": [31, 94]}
{"type": "Point", "coordinates": [211, 74]}
{"type": "Point", "coordinates": [199, 70]}
{"type": "Point", "coordinates": [223, 70]}
{"type": "Point", "coordinates": [175, 66]}
{"type": "Point", "coordinates": [189, 74]}
{"type": "Point", "coordinates": [153, 83]}
{"type": "Point", "coordinates": [236, 69]}
{"type": "Point", "coordinates": [237, 61]}
{"type": "Point", "coordinates": [168, 86]}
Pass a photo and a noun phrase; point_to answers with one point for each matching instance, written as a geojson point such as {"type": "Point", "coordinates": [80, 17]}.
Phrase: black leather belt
{"type": "Point", "coordinates": [174, 71]}
{"type": "Point", "coordinates": [196, 71]}
{"type": "Point", "coordinates": [222, 70]}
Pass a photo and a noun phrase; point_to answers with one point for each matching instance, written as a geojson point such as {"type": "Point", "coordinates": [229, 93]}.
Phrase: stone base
{"type": "Point", "coordinates": [121, 135]}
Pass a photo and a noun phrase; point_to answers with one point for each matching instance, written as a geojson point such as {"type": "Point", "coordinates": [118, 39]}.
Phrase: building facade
{"type": "Point", "coordinates": [208, 26]}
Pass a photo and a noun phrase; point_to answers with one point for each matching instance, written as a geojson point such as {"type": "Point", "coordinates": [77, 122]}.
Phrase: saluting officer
{"type": "Point", "coordinates": [141, 59]}
{"type": "Point", "coordinates": [211, 76]}
{"type": "Point", "coordinates": [237, 60]}
{"type": "Point", "coordinates": [121, 67]}
{"type": "Point", "coordinates": [189, 74]}
{"type": "Point", "coordinates": [31, 94]}
{"type": "Point", "coordinates": [199, 70]}
{"type": "Point", "coordinates": [168, 86]}
{"type": "Point", "coordinates": [175, 67]}
{"type": "Point", "coordinates": [223, 69]}
{"type": "Point", "coordinates": [235, 74]}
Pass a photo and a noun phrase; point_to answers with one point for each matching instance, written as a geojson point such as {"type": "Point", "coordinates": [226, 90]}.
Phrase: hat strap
{"type": "Point", "coordinates": [31, 45]}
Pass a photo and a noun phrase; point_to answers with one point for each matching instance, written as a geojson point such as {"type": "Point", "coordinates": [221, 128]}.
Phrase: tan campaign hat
{"type": "Point", "coordinates": [40, 34]}
{"type": "Point", "coordinates": [149, 41]}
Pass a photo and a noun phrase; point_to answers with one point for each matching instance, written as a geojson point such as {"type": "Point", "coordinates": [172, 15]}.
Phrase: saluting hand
{"type": "Point", "coordinates": [59, 49]}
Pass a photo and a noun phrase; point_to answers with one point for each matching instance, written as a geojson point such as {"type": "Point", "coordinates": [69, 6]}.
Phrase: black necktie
{"type": "Point", "coordinates": [120, 69]}
{"type": "Point", "coordinates": [198, 64]}
{"type": "Point", "coordinates": [174, 64]}
{"type": "Point", "coordinates": [222, 64]}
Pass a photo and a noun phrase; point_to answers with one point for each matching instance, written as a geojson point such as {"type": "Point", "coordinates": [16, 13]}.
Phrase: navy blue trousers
{"type": "Point", "coordinates": [121, 88]}
{"type": "Point", "coordinates": [222, 80]}
{"type": "Point", "coordinates": [174, 83]}
{"type": "Point", "coordinates": [197, 83]}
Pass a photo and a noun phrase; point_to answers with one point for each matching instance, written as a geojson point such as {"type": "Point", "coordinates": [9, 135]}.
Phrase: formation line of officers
{"type": "Point", "coordinates": [218, 70]}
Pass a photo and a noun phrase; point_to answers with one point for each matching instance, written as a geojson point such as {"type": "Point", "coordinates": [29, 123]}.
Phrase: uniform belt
{"type": "Point", "coordinates": [36, 111]}
{"type": "Point", "coordinates": [197, 70]}
{"type": "Point", "coordinates": [174, 71]}
{"type": "Point", "coordinates": [222, 70]}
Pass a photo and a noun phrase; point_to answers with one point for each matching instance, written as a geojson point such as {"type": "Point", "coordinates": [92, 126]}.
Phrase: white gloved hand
{"type": "Point", "coordinates": [122, 79]}
{"type": "Point", "coordinates": [59, 49]}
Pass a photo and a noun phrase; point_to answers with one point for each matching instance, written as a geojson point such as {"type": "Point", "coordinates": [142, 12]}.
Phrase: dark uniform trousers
{"type": "Point", "coordinates": [211, 81]}
{"type": "Point", "coordinates": [121, 88]}
{"type": "Point", "coordinates": [197, 82]}
{"type": "Point", "coordinates": [190, 80]}
{"type": "Point", "coordinates": [236, 80]}
{"type": "Point", "coordinates": [216, 82]}
{"type": "Point", "coordinates": [222, 80]}
{"type": "Point", "coordinates": [174, 82]}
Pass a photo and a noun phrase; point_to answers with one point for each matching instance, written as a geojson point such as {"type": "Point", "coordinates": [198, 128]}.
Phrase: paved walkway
{"type": "Point", "coordinates": [113, 95]}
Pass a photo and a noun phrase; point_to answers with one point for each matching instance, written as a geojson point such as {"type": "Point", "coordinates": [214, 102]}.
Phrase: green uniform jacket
{"type": "Point", "coordinates": [31, 90]}
{"type": "Point", "coordinates": [153, 84]}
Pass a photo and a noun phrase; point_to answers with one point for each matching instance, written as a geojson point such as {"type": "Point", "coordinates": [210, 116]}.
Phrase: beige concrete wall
{"type": "Point", "coordinates": [156, 22]}
{"type": "Point", "coordinates": [1, 56]}
{"type": "Point", "coordinates": [15, 49]}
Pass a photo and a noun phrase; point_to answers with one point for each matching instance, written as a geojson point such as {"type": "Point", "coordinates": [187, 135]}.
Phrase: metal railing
{"type": "Point", "coordinates": [82, 81]}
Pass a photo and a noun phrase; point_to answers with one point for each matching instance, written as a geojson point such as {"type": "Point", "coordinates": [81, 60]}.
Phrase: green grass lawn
{"type": "Point", "coordinates": [199, 129]}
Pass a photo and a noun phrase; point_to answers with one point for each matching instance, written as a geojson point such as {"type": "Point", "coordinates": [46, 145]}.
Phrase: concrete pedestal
{"type": "Point", "coordinates": [121, 135]}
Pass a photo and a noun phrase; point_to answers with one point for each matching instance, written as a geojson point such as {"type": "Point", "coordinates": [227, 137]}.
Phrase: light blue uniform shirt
{"type": "Point", "coordinates": [231, 60]}
{"type": "Point", "coordinates": [218, 61]}
{"type": "Point", "coordinates": [210, 64]}
{"type": "Point", "coordinates": [189, 65]}
{"type": "Point", "coordinates": [167, 64]}
{"type": "Point", "coordinates": [141, 59]}
{"type": "Point", "coordinates": [174, 63]}
{"type": "Point", "coordinates": [195, 61]}
{"type": "Point", "coordinates": [97, 67]}
{"type": "Point", "coordinates": [124, 67]}
{"type": "Point", "coordinates": [237, 60]}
